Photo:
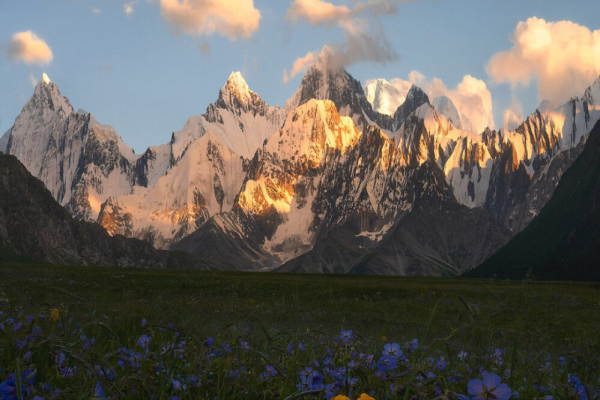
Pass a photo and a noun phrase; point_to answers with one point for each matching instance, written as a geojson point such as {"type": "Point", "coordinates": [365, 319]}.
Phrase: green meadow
{"type": "Point", "coordinates": [80, 330]}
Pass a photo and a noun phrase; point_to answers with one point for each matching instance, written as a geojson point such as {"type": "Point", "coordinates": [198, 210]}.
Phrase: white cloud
{"type": "Point", "coordinates": [317, 12]}
{"type": "Point", "coordinates": [363, 36]}
{"type": "Point", "coordinates": [512, 117]}
{"type": "Point", "coordinates": [230, 18]}
{"type": "Point", "coordinates": [32, 80]}
{"type": "Point", "coordinates": [300, 65]}
{"type": "Point", "coordinates": [563, 57]}
{"type": "Point", "coordinates": [471, 97]}
{"type": "Point", "coordinates": [128, 7]}
{"type": "Point", "coordinates": [29, 48]}
{"type": "Point", "coordinates": [95, 10]}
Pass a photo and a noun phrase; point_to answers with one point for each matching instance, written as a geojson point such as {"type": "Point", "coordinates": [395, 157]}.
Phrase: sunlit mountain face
{"type": "Point", "coordinates": [281, 183]}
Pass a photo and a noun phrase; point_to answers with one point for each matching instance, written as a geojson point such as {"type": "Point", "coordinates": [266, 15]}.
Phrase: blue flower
{"type": "Point", "coordinates": [462, 355]}
{"type": "Point", "coordinates": [346, 336]}
{"type": "Point", "coordinates": [144, 341]}
{"type": "Point", "coordinates": [8, 390]}
{"type": "Point", "coordinates": [490, 388]}
{"type": "Point", "coordinates": [441, 364]}
{"type": "Point", "coordinates": [99, 392]}
{"type": "Point", "coordinates": [392, 350]}
{"type": "Point", "coordinates": [386, 363]}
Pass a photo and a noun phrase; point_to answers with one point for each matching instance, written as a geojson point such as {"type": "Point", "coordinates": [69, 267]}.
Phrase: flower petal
{"type": "Point", "coordinates": [490, 381]}
{"type": "Point", "coordinates": [475, 387]}
{"type": "Point", "coordinates": [502, 392]}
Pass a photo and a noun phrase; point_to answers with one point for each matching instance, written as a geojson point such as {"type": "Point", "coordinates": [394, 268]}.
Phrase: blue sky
{"type": "Point", "coordinates": [141, 76]}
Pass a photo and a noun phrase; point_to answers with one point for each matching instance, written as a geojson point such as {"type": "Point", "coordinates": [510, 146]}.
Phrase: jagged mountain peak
{"type": "Point", "coordinates": [415, 93]}
{"type": "Point", "coordinates": [236, 86]}
{"type": "Point", "coordinates": [592, 94]}
{"type": "Point", "coordinates": [415, 98]}
{"type": "Point", "coordinates": [236, 96]}
{"type": "Point", "coordinates": [326, 79]}
{"type": "Point", "coordinates": [46, 95]}
{"type": "Point", "coordinates": [444, 105]}
{"type": "Point", "coordinates": [383, 96]}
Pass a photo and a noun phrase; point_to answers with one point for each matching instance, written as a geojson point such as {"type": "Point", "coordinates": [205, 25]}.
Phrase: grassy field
{"type": "Point", "coordinates": [84, 331]}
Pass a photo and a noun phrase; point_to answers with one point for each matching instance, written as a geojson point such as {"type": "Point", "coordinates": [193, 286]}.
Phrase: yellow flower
{"type": "Point", "coordinates": [54, 315]}
{"type": "Point", "coordinates": [365, 396]}
{"type": "Point", "coordinates": [340, 397]}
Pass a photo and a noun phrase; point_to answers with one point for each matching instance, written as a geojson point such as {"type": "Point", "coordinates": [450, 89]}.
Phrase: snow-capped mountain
{"type": "Point", "coordinates": [203, 182]}
{"type": "Point", "coordinates": [239, 118]}
{"type": "Point", "coordinates": [383, 96]}
{"type": "Point", "coordinates": [321, 196]}
{"type": "Point", "coordinates": [443, 105]}
{"type": "Point", "coordinates": [324, 184]}
{"type": "Point", "coordinates": [326, 81]}
{"type": "Point", "coordinates": [511, 174]}
{"type": "Point", "coordinates": [158, 195]}
{"type": "Point", "coordinates": [80, 161]}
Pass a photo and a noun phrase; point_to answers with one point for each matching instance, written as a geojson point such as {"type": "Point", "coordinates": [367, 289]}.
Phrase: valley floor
{"type": "Point", "coordinates": [525, 331]}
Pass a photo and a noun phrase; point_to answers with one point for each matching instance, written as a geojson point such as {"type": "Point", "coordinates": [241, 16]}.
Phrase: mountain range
{"type": "Point", "coordinates": [330, 182]}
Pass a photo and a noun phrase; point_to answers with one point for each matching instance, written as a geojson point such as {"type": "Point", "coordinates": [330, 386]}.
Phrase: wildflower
{"type": "Point", "coordinates": [490, 388]}
{"type": "Point", "coordinates": [8, 390]}
{"type": "Point", "coordinates": [270, 370]}
{"type": "Point", "coordinates": [17, 326]}
{"type": "Point", "coordinates": [365, 396]}
{"type": "Point", "coordinates": [414, 344]}
{"type": "Point", "coordinates": [144, 322]}
{"type": "Point", "coordinates": [98, 392]}
{"type": "Point", "coordinates": [144, 341]}
{"type": "Point", "coordinates": [177, 385]}
{"type": "Point", "coordinates": [392, 350]}
{"type": "Point", "coordinates": [463, 355]}
{"type": "Point", "coordinates": [346, 336]}
{"type": "Point", "coordinates": [54, 315]}
{"type": "Point", "coordinates": [209, 342]}
{"type": "Point", "coordinates": [386, 363]}
{"type": "Point", "coordinates": [340, 397]}
{"type": "Point", "coordinates": [441, 364]}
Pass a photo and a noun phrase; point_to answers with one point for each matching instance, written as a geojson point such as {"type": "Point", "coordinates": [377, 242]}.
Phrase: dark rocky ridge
{"type": "Point", "coordinates": [563, 241]}
{"type": "Point", "coordinates": [35, 228]}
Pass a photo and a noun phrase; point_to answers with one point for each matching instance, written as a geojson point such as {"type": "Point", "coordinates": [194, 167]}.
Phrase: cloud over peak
{"type": "Point", "coordinates": [471, 97]}
{"type": "Point", "coordinates": [29, 48]}
{"type": "Point", "coordinates": [562, 56]}
{"type": "Point", "coordinates": [230, 18]}
{"type": "Point", "coordinates": [363, 35]}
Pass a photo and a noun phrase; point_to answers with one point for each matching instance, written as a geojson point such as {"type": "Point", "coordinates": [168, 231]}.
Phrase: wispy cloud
{"type": "Point", "coordinates": [129, 7]}
{"type": "Point", "coordinates": [29, 48]}
{"type": "Point", "coordinates": [95, 10]}
{"type": "Point", "coordinates": [32, 80]}
{"type": "Point", "coordinates": [563, 57]}
{"type": "Point", "coordinates": [364, 39]}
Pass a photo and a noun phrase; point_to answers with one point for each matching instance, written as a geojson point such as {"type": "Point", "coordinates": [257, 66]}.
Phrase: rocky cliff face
{"type": "Point", "coordinates": [35, 228]}
{"type": "Point", "coordinates": [562, 241]}
{"type": "Point", "coordinates": [322, 197]}
{"type": "Point", "coordinates": [256, 187]}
